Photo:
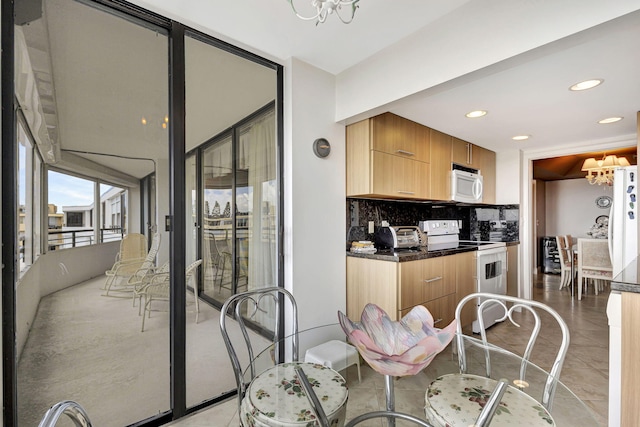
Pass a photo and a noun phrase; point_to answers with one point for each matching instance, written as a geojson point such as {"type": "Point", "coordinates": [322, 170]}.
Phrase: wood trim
{"type": "Point", "coordinates": [630, 384]}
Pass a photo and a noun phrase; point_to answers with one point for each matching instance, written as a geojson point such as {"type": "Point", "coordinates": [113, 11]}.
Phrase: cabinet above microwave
{"type": "Point", "coordinates": [388, 156]}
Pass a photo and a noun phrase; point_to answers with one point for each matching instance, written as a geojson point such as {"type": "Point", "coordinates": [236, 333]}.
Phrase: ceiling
{"type": "Point", "coordinates": [524, 94]}
{"type": "Point", "coordinates": [570, 167]}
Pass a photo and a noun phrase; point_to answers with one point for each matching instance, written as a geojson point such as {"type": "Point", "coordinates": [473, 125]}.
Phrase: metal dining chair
{"type": "Point", "coordinates": [265, 308]}
{"type": "Point", "coordinates": [71, 409]}
{"type": "Point", "coordinates": [469, 393]}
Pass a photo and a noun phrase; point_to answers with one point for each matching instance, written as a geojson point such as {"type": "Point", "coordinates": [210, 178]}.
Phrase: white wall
{"type": "Point", "coordinates": [315, 204]}
{"type": "Point", "coordinates": [508, 177]}
{"type": "Point", "coordinates": [571, 207]}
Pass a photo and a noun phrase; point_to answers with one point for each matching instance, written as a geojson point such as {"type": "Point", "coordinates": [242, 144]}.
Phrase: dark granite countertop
{"type": "Point", "coordinates": [403, 255]}
{"type": "Point", "coordinates": [627, 280]}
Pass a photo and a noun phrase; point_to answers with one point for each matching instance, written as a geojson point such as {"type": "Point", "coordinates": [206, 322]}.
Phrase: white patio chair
{"type": "Point", "coordinates": [159, 290]}
{"type": "Point", "coordinates": [134, 260]}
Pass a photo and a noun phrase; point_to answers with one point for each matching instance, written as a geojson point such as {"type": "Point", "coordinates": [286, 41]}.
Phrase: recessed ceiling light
{"type": "Point", "coordinates": [521, 137]}
{"type": "Point", "coordinates": [476, 113]}
{"type": "Point", "coordinates": [587, 84]}
{"type": "Point", "coordinates": [609, 120]}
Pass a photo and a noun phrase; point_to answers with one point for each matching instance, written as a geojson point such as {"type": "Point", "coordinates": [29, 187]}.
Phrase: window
{"type": "Point", "coordinates": [74, 219]}
{"type": "Point", "coordinates": [72, 209]}
{"type": "Point", "coordinates": [113, 205]}
{"type": "Point", "coordinates": [29, 165]}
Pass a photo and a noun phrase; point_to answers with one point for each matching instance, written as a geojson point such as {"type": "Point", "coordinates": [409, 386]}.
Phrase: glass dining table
{"type": "Point", "coordinates": [369, 394]}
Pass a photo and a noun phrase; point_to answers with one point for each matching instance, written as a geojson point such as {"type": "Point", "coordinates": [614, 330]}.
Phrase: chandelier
{"type": "Point", "coordinates": [601, 171]}
{"type": "Point", "coordinates": [325, 8]}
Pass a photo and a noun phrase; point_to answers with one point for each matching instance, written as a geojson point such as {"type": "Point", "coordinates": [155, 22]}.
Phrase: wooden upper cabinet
{"type": "Point", "coordinates": [398, 177]}
{"type": "Point", "coordinates": [387, 156]}
{"type": "Point", "coordinates": [465, 153]}
{"type": "Point", "coordinates": [401, 137]}
{"type": "Point", "coordinates": [391, 157]}
{"type": "Point", "coordinates": [440, 166]}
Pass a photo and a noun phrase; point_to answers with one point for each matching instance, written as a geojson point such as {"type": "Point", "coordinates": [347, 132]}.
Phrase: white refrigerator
{"type": "Point", "coordinates": [623, 218]}
{"type": "Point", "coordinates": [623, 248]}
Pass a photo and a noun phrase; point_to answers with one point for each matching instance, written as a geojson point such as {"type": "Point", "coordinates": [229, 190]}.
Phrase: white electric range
{"type": "Point", "coordinates": [491, 261]}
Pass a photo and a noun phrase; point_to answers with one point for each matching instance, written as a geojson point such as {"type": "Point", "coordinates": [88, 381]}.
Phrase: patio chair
{"type": "Point", "coordinates": [139, 287]}
{"type": "Point", "coordinates": [133, 255]}
{"type": "Point", "coordinates": [158, 289]}
{"type": "Point", "coordinates": [132, 246]}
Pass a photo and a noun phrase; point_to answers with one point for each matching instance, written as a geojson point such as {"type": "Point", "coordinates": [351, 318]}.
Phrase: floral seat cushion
{"type": "Point", "coordinates": [458, 399]}
{"type": "Point", "coordinates": [276, 398]}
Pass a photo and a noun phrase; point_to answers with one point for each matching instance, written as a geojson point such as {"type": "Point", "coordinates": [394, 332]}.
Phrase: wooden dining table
{"type": "Point", "coordinates": [566, 409]}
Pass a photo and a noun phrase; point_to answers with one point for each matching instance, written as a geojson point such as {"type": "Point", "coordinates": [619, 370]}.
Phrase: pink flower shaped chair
{"type": "Point", "coordinates": [396, 349]}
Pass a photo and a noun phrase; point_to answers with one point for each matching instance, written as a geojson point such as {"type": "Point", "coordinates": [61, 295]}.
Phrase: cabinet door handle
{"type": "Point", "coordinates": [408, 153]}
{"type": "Point", "coordinates": [469, 154]}
{"type": "Point", "coordinates": [437, 321]}
{"type": "Point", "coordinates": [435, 279]}
{"type": "Point", "coordinates": [406, 192]}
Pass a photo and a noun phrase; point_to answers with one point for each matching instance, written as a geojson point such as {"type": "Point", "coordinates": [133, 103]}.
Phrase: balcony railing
{"type": "Point", "coordinates": [71, 238]}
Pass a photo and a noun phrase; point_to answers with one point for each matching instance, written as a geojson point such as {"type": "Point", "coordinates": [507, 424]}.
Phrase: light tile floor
{"type": "Point", "coordinates": [585, 371]}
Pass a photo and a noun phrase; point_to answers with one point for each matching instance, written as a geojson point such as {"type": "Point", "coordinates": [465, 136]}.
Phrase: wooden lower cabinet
{"type": "Point", "coordinates": [436, 283]}
{"type": "Point", "coordinates": [630, 369]}
{"type": "Point", "coordinates": [442, 309]}
{"type": "Point", "coordinates": [371, 281]}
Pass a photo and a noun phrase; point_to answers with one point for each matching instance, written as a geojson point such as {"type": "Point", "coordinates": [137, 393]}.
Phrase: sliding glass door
{"type": "Point", "coordinates": [227, 157]}
{"type": "Point", "coordinates": [99, 88]}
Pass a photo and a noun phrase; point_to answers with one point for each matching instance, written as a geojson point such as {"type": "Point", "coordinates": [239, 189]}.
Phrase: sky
{"type": "Point", "coordinates": [67, 190]}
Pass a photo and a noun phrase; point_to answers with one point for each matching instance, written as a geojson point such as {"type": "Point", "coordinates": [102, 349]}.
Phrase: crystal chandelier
{"type": "Point", "coordinates": [601, 171]}
{"type": "Point", "coordinates": [325, 8]}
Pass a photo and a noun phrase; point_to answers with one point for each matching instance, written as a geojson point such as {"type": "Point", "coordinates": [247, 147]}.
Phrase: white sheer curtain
{"type": "Point", "coordinates": [257, 154]}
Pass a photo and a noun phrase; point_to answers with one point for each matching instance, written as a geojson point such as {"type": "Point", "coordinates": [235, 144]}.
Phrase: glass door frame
{"type": "Point", "coordinates": [177, 214]}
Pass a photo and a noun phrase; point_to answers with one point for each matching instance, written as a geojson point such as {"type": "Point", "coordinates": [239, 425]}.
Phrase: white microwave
{"type": "Point", "coordinates": [466, 186]}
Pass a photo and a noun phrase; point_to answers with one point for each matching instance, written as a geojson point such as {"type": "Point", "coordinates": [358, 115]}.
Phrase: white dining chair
{"type": "Point", "coordinates": [594, 263]}
{"type": "Point", "coordinates": [468, 394]}
{"type": "Point", "coordinates": [564, 252]}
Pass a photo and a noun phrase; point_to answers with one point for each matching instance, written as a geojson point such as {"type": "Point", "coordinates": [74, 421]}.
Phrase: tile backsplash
{"type": "Point", "coordinates": [479, 222]}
